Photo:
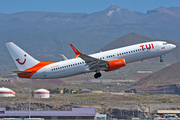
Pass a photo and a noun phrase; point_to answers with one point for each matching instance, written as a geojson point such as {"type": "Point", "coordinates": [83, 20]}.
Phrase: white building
{"type": "Point", "coordinates": [6, 92]}
{"type": "Point", "coordinates": [41, 93]}
{"type": "Point", "coordinates": [100, 116]}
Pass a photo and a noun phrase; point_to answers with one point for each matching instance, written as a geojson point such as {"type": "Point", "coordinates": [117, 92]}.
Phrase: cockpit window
{"type": "Point", "coordinates": [164, 43]}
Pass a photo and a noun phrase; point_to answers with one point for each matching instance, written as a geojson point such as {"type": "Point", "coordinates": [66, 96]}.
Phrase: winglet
{"type": "Point", "coordinates": [76, 51]}
{"type": "Point", "coordinates": [65, 58]}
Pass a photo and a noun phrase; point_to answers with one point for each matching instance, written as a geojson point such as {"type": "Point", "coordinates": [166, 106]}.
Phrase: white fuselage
{"type": "Point", "coordinates": [131, 54]}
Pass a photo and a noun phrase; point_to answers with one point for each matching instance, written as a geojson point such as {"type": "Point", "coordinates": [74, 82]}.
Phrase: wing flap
{"type": "Point", "coordinates": [94, 63]}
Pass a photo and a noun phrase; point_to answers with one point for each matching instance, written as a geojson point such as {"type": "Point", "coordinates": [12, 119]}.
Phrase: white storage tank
{"type": "Point", "coordinates": [6, 92]}
{"type": "Point", "coordinates": [41, 93]}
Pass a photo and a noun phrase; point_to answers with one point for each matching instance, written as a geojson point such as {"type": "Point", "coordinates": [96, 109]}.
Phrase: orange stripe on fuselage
{"type": "Point", "coordinates": [34, 69]}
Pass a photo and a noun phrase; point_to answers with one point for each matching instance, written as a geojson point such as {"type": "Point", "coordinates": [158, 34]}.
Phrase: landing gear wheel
{"type": "Point", "coordinates": [161, 60]}
{"type": "Point", "coordinates": [98, 74]}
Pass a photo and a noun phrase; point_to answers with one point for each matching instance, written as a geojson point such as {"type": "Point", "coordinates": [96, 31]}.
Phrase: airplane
{"type": "Point", "coordinates": [110, 60]}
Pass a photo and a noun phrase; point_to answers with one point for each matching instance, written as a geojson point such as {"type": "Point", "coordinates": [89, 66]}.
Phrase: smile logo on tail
{"type": "Point", "coordinates": [22, 62]}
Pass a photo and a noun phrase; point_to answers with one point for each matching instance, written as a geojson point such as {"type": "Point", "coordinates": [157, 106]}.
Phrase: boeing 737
{"type": "Point", "coordinates": [110, 60]}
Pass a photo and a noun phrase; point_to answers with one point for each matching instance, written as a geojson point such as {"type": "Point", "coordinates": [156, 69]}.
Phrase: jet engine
{"type": "Point", "coordinates": [116, 64]}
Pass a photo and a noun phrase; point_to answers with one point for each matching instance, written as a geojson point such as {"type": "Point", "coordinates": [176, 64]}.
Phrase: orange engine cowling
{"type": "Point", "coordinates": [116, 64]}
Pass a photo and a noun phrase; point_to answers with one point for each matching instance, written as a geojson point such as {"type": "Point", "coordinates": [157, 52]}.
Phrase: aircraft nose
{"type": "Point", "coordinates": [172, 46]}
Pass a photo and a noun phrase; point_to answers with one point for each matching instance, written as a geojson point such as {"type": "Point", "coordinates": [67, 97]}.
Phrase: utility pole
{"type": "Point", "coordinates": [164, 90]}
{"type": "Point", "coordinates": [29, 104]}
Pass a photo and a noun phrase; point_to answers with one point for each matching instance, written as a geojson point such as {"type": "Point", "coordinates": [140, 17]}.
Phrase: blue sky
{"type": "Point", "coordinates": [81, 6]}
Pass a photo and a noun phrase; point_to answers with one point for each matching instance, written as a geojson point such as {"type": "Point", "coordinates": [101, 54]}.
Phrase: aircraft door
{"type": "Point", "coordinates": [44, 73]}
{"type": "Point", "coordinates": [157, 47]}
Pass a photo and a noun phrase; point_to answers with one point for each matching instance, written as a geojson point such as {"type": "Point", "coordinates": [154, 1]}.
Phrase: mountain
{"type": "Point", "coordinates": [168, 75]}
{"type": "Point", "coordinates": [163, 80]}
{"type": "Point", "coordinates": [112, 15]}
{"type": "Point", "coordinates": [164, 17]}
{"type": "Point", "coordinates": [115, 15]}
{"type": "Point", "coordinates": [113, 22]}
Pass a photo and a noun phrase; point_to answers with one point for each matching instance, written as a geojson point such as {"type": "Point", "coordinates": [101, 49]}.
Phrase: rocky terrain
{"type": "Point", "coordinates": [104, 103]}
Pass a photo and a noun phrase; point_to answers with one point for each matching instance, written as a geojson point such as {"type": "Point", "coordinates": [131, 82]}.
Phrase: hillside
{"type": "Point", "coordinates": [162, 81]}
{"type": "Point", "coordinates": [168, 75]}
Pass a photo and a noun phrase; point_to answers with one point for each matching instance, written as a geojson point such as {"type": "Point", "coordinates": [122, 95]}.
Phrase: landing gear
{"type": "Point", "coordinates": [98, 74]}
{"type": "Point", "coordinates": [161, 59]}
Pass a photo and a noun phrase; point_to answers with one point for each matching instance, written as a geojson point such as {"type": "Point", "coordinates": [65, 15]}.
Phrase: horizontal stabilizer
{"type": "Point", "coordinates": [22, 72]}
{"type": "Point", "coordinates": [14, 74]}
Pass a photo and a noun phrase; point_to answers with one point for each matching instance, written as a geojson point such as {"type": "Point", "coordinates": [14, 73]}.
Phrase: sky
{"type": "Point", "coordinates": [81, 6]}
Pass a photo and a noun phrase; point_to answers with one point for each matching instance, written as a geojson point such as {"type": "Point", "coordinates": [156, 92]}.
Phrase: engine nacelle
{"type": "Point", "coordinates": [116, 64]}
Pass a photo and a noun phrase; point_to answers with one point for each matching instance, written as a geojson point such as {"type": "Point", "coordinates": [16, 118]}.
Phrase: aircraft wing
{"type": "Point", "coordinates": [91, 62]}
{"type": "Point", "coordinates": [94, 63]}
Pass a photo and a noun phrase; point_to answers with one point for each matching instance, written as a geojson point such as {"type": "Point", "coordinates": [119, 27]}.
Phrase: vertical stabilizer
{"type": "Point", "coordinates": [22, 59]}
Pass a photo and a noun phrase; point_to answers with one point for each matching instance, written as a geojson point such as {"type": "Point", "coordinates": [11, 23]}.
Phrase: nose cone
{"type": "Point", "coordinates": [172, 46]}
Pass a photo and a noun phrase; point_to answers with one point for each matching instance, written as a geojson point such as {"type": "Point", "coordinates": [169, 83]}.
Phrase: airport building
{"type": "Point", "coordinates": [75, 113]}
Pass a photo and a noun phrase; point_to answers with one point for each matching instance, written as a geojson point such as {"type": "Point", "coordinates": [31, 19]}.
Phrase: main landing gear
{"type": "Point", "coordinates": [98, 74]}
{"type": "Point", "coordinates": [161, 59]}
